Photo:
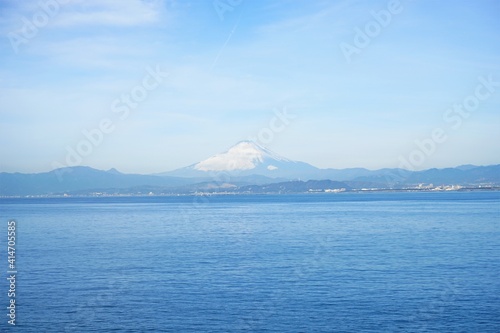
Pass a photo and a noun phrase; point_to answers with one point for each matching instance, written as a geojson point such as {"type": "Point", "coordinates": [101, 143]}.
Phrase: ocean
{"type": "Point", "coordinates": [345, 262]}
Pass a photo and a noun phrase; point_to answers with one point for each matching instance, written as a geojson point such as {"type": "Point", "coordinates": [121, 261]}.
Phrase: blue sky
{"type": "Point", "coordinates": [227, 67]}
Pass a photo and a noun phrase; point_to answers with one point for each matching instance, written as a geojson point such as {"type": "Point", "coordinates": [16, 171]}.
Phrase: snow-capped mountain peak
{"type": "Point", "coordinates": [245, 155]}
{"type": "Point", "coordinates": [247, 159]}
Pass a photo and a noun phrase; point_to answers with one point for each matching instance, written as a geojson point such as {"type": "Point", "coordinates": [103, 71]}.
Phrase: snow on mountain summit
{"type": "Point", "coordinates": [245, 155]}
{"type": "Point", "coordinates": [248, 159]}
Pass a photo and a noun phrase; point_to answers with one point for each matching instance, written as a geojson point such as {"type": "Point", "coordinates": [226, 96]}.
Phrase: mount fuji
{"type": "Point", "coordinates": [249, 163]}
{"type": "Point", "coordinates": [247, 158]}
{"type": "Point", "coordinates": [244, 168]}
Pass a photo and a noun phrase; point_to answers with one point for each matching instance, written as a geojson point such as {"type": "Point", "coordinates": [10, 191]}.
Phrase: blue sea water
{"type": "Point", "coordinates": [360, 262]}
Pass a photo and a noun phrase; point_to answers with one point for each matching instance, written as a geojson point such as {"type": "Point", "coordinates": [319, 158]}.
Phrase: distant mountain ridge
{"type": "Point", "coordinates": [244, 167]}
{"type": "Point", "coordinates": [248, 158]}
{"type": "Point", "coordinates": [74, 179]}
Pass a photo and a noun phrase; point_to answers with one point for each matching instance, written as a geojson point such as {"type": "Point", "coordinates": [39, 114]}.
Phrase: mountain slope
{"type": "Point", "coordinates": [244, 159]}
{"type": "Point", "coordinates": [76, 178]}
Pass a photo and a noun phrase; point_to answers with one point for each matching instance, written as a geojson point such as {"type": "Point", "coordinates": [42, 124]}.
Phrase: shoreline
{"type": "Point", "coordinates": [228, 193]}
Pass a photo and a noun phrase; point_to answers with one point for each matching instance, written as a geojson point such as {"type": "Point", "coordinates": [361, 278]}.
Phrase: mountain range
{"type": "Point", "coordinates": [247, 158]}
{"type": "Point", "coordinates": [244, 168]}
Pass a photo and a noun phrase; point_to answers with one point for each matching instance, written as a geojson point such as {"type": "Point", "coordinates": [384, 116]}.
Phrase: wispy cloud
{"type": "Point", "coordinates": [111, 13]}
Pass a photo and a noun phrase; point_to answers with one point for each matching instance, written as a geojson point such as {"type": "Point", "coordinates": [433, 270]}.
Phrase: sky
{"type": "Point", "coordinates": [148, 86]}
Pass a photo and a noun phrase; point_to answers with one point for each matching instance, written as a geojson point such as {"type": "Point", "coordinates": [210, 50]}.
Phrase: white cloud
{"type": "Point", "coordinates": [110, 13]}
